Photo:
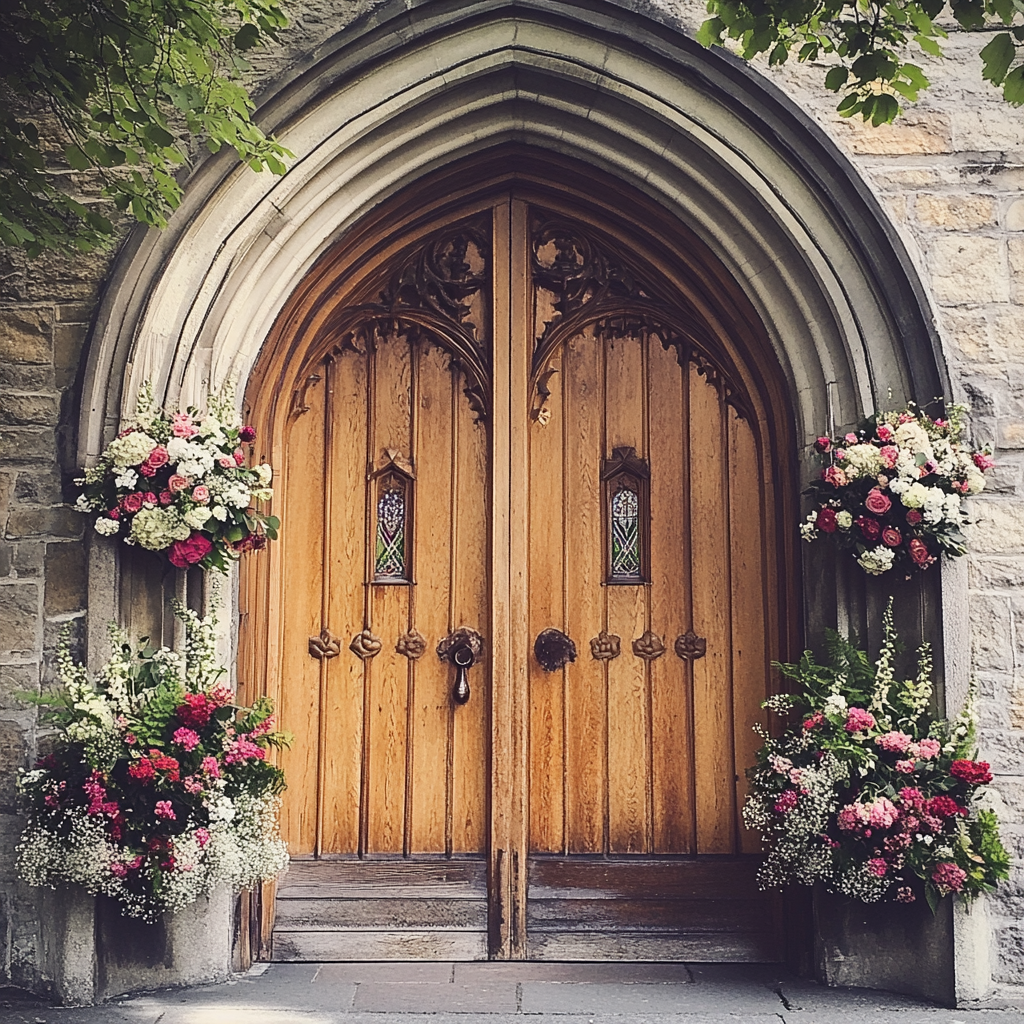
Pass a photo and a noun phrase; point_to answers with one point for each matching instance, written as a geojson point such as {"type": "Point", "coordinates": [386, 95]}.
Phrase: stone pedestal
{"type": "Point", "coordinates": [92, 953]}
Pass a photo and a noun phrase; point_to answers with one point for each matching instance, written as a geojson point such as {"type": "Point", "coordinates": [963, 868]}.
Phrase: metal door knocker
{"type": "Point", "coordinates": [553, 649]}
{"type": "Point", "coordinates": [461, 649]}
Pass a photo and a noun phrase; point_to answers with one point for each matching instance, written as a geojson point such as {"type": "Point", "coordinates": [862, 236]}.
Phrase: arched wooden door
{"type": "Point", "coordinates": [508, 415]}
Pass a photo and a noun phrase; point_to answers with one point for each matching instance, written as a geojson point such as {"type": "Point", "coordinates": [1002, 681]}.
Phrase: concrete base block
{"type": "Point", "coordinates": [92, 953]}
{"type": "Point", "coordinates": [892, 946]}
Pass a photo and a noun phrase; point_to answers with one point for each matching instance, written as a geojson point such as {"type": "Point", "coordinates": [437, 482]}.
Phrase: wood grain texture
{"type": "Point", "coordinates": [671, 609]}
{"type": "Point", "coordinates": [749, 654]}
{"type": "Point", "coordinates": [362, 944]}
{"type": "Point", "coordinates": [375, 914]}
{"type": "Point", "coordinates": [699, 947]}
{"type": "Point", "coordinates": [712, 674]}
{"type": "Point", "coordinates": [302, 545]}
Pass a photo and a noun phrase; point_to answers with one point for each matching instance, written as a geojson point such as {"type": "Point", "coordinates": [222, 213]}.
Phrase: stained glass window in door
{"type": "Point", "coordinates": [389, 554]}
{"type": "Point", "coordinates": [625, 534]}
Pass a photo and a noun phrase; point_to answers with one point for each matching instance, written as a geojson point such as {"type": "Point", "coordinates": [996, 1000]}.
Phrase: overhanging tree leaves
{"type": "Point", "coordinates": [128, 85]}
{"type": "Point", "coordinates": [869, 40]}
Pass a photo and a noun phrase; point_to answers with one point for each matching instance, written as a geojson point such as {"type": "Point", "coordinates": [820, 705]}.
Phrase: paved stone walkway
{"type": "Point", "coordinates": [509, 993]}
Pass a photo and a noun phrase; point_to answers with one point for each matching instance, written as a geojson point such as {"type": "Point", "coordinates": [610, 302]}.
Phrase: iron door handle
{"type": "Point", "coordinates": [463, 649]}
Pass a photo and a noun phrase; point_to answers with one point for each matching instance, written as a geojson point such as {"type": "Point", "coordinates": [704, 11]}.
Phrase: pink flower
{"type": "Point", "coordinates": [147, 470]}
{"type": "Point", "coordinates": [177, 483]}
{"type": "Point", "coordinates": [906, 767]}
{"type": "Point", "coordinates": [826, 520]}
{"type": "Point", "coordinates": [905, 417]}
{"type": "Point", "coordinates": [202, 837]}
{"type": "Point", "coordinates": [187, 738]}
{"type": "Point", "coordinates": [184, 553]}
{"type": "Point", "coordinates": [904, 894]}
{"type": "Point", "coordinates": [118, 870]}
{"type": "Point", "coordinates": [166, 498]}
{"type": "Point", "coordinates": [878, 867]}
{"type": "Point", "coordinates": [891, 537]}
{"type": "Point", "coordinates": [247, 434]}
{"type": "Point", "coordinates": [858, 719]}
{"type": "Point", "coordinates": [974, 773]}
{"type": "Point", "coordinates": [890, 453]}
{"type": "Point", "coordinates": [158, 457]}
{"type": "Point", "coordinates": [201, 494]}
{"type": "Point", "coordinates": [919, 553]}
{"type": "Point", "coordinates": [164, 810]}
{"type": "Point", "coordinates": [834, 476]}
{"type": "Point", "coordinates": [132, 502]}
{"type": "Point", "coordinates": [850, 438]}
{"type": "Point", "coordinates": [882, 813]}
{"type": "Point", "coordinates": [129, 739]}
{"type": "Point", "coordinates": [786, 802]}
{"type": "Point", "coordinates": [943, 806]}
{"type": "Point", "coordinates": [983, 461]}
{"type": "Point", "coordinates": [114, 513]}
{"type": "Point", "coordinates": [814, 721]}
{"type": "Point", "coordinates": [870, 527]}
{"type": "Point", "coordinates": [877, 502]}
{"type": "Point", "coordinates": [914, 517]}
{"type": "Point", "coordinates": [243, 750]}
{"type": "Point", "coordinates": [948, 877]}
{"type": "Point", "coordinates": [927, 749]}
{"type": "Point", "coordinates": [894, 742]}
{"type": "Point", "coordinates": [149, 498]}
{"type": "Point", "coordinates": [192, 784]}
{"type": "Point", "coordinates": [226, 462]}
{"type": "Point", "coordinates": [182, 425]}
{"type": "Point", "coordinates": [853, 817]}
{"type": "Point", "coordinates": [911, 796]}
{"type": "Point", "coordinates": [885, 432]}
{"type": "Point", "coordinates": [210, 766]}
{"type": "Point", "coordinates": [239, 456]}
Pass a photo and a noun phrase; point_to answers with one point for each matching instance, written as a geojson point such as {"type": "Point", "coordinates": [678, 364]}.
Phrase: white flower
{"type": "Point", "coordinates": [220, 513]}
{"type": "Point", "coordinates": [107, 527]}
{"type": "Point", "coordinates": [158, 528]}
{"type": "Point", "coordinates": [835, 704]}
{"type": "Point", "coordinates": [196, 517]}
{"type": "Point", "coordinates": [915, 496]}
{"type": "Point", "coordinates": [875, 561]}
{"type": "Point", "coordinates": [808, 529]}
{"type": "Point", "coordinates": [129, 450]}
{"type": "Point", "coordinates": [912, 435]}
{"type": "Point", "coordinates": [264, 472]}
{"type": "Point", "coordinates": [844, 520]}
{"type": "Point", "coordinates": [899, 486]}
{"type": "Point", "coordinates": [83, 504]}
{"type": "Point", "coordinates": [975, 480]}
{"type": "Point", "coordinates": [862, 460]}
{"type": "Point", "coordinates": [127, 480]}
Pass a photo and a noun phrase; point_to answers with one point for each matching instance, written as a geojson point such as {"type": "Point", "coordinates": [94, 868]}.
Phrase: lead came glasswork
{"type": "Point", "coordinates": [389, 557]}
{"type": "Point", "coordinates": [625, 531]}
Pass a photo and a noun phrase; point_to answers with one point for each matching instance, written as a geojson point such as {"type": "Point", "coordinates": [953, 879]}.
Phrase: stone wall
{"type": "Point", "coordinates": [951, 176]}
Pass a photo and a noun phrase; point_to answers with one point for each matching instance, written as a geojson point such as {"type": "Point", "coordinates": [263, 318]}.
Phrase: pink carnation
{"type": "Point", "coordinates": [201, 494]}
{"type": "Point", "coordinates": [858, 719]}
{"type": "Point", "coordinates": [890, 453]}
{"type": "Point", "coordinates": [187, 738]}
{"type": "Point", "coordinates": [226, 462]}
{"type": "Point", "coordinates": [834, 476]}
{"type": "Point", "coordinates": [894, 742]}
{"type": "Point", "coordinates": [177, 482]}
{"type": "Point", "coordinates": [885, 432]}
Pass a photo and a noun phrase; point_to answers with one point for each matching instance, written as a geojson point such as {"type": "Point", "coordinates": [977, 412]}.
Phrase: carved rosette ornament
{"type": "Point", "coordinates": [412, 644]}
{"type": "Point", "coordinates": [649, 646]}
{"type": "Point", "coordinates": [365, 644]}
{"type": "Point", "coordinates": [690, 647]}
{"type": "Point", "coordinates": [605, 646]}
{"type": "Point", "coordinates": [324, 646]}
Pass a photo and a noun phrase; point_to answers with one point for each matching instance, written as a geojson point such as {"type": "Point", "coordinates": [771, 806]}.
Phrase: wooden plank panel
{"type": "Point", "coordinates": [712, 701]}
{"type": "Point", "coordinates": [546, 583]}
{"type": "Point", "coordinates": [385, 872]}
{"type": "Point", "coordinates": [671, 611]}
{"type": "Point", "coordinates": [302, 555]}
{"type": "Point", "coordinates": [374, 914]}
{"type": "Point", "coordinates": [429, 944]}
{"type": "Point", "coordinates": [432, 558]}
{"type": "Point", "coordinates": [624, 395]}
{"type": "Point", "coordinates": [346, 538]}
{"type": "Point", "coordinates": [471, 607]}
{"type": "Point", "coordinates": [651, 915]}
{"type": "Point", "coordinates": [585, 705]}
{"type": "Point", "coordinates": [700, 947]}
{"type": "Point", "coordinates": [628, 779]}
{"type": "Point", "coordinates": [387, 673]}
{"type": "Point", "coordinates": [749, 654]}
{"type": "Point", "coordinates": [569, 878]}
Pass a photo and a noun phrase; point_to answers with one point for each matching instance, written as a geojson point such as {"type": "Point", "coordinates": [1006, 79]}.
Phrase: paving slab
{"type": "Point", "coordinates": [558, 997]}
{"type": "Point", "coordinates": [594, 973]}
{"type": "Point", "coordinates": [481, 997]}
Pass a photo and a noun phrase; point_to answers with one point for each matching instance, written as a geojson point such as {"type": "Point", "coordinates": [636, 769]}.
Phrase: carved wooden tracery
{"type": "Point", "coordinates": [431, 294]}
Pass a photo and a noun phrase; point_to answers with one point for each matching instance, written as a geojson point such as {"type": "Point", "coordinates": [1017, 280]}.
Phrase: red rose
{"type": "Point", "coordinates": [149, 498]}
{"type": "Point", "coordinates": [184, 553]}
{"type": "Point", "coordinates": [826, 520]}
{"type": "Point", "coordinates": [871, 528]}
{"type": "Point", "coordinates": [891, 537]}
{"type": "Point", "coordinates": [914, 517]}
{"type": "Point", "coordinates": [147, 470]}
{"type": "Point", "coordinates": [974, 773]}
{"type": "Point", "coordinates": [877, 502]}
{"type": "Point", "coordinates": [919, 552]}
{"type": "Point", "coordinates": [822, 445]}
{"type": "Point", "coordinates": [166, 498]}
{"type": "Point", "coordinates": [158, 457]}
{"type": "Point", "coordinates": [247, 434]}
{"type": "Point", "coordinates": [132, 502]}
{"type": "Point", "coordinates": [983, 461]}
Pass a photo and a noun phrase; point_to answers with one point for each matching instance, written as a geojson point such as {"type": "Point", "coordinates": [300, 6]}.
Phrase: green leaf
{"type": "Point", "coordinates": [247, 37]}
{"type": "Point", "coordinates": [836, 78]}
{"type": "Point", "coordinates": [710, 32]}
{"type": "Point", "coordinates": [76, 158]}
{"type": "Point", "coordinates": [928, 45]}
{"type": "Point", "coordinates": [997, 57]}
{"type": "Point", "coordinates": [1013, 86]}
{"type": "Point", "coordinates": [886, 109]}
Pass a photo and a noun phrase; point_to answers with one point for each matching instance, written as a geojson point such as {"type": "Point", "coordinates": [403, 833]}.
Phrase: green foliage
{"type": "Point", "coordinates": [129, 83]}
{"type": "Point", "coordinates": [869, 39]}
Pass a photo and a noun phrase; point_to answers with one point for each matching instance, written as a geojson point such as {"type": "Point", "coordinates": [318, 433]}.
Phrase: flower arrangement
{"type": "Point", "coordinates": [892, 491]}
{"type": "Point", "coordinates": [867, 792]}
{"type": "Point", "coordinates": [158, 787]}
{"type": "Point", "coordinates": [179, 484]}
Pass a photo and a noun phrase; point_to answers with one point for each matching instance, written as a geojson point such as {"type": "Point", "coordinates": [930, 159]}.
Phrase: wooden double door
{"type": "Point", "coordinates": [521, 617]}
